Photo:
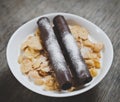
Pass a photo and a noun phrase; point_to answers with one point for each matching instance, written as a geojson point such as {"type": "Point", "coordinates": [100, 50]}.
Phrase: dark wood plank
{"type": "Point", "coordinates": [104, 13]}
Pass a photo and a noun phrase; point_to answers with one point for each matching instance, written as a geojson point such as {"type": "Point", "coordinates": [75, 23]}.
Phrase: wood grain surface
{"type": "Point", "coordinates": [104, 13]}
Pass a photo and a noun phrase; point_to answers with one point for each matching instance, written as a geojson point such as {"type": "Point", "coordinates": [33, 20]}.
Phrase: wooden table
{"type": "Point", "coordinates": [104, 13]}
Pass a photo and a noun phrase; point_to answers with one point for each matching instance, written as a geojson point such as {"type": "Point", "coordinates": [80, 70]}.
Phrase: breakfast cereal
{"type": "Point", "coordinates": [34, 61]}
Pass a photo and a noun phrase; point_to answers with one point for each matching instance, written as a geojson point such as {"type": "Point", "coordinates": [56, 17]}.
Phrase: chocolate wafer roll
{"type": "Point", "coordinates": [71, 51]}
{"type": "Point", "coordinates": [56, 57]}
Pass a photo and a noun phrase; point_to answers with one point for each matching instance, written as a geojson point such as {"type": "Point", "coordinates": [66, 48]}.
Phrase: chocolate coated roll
{"type": "Point", "coordinates": [71, 51]}
{"type": "Point", "coordinates": [56, 57]}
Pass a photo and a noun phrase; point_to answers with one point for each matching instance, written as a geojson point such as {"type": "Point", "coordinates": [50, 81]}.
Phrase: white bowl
{"type": "Point", "coordinates": [13, 51]}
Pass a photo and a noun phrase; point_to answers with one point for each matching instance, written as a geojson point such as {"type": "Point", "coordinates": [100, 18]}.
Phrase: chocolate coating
{"type": "Point", "coordinates": [56, 57]}
{"type": "Point", "coordinates": [71, 51]}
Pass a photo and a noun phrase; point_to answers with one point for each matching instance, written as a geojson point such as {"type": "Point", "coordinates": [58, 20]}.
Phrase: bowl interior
{"type": "Point", "coordinates": [13, 51]}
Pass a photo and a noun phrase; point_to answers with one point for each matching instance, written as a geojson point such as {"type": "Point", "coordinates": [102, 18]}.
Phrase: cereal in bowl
{"type": "Point", "coordinates": [34, 61]}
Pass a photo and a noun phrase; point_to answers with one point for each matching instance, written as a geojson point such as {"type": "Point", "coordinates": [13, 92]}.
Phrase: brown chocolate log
{"type": "Point", "coordinates": [56, 57]}
{"type": "Point", "coordinates": [71, 51]}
